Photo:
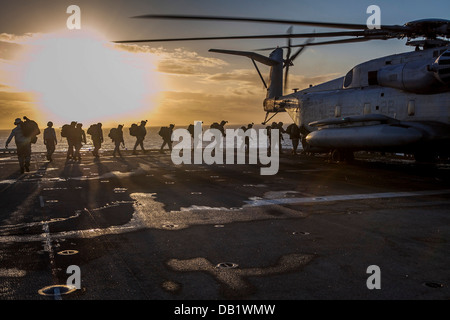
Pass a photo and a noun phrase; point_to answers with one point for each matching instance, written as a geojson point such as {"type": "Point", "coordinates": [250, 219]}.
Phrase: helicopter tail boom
{"type": "Point", "coordinates": [252, 55]}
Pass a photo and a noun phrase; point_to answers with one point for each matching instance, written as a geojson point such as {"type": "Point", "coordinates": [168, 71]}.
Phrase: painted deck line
{"type": "Point", "coordinates": [365, 196]}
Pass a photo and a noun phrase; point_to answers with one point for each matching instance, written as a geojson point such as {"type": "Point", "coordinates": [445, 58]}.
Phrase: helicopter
{"type": "Point", "coordinates": [398, 103]}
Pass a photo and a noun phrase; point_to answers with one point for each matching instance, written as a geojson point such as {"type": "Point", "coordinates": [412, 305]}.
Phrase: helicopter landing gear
{"type": "Point", "coordinates": [341, 155]}
{"type": "Point", "coordinates": [267, 120]}
{"type": "Point", "coordinates": [425, 157]}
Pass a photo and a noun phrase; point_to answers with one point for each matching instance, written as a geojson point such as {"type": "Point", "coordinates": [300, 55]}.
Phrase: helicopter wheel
{"type": "Point", "coordinates": [349, 156]}
{"type": "Point", "coordinates": [425, 157]}
{"type": "Point", "coordinates": [336, 155]}
{"type": "Point", "coordinates": [339, 155]}
{"type": "Point", "coordinates": [306, 147]}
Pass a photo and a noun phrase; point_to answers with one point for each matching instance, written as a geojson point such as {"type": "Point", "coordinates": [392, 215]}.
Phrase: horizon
{"type": "Point", "coordinates": [127, 125]}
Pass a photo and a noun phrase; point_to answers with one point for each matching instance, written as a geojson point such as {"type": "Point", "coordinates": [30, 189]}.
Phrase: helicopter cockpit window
{"type": "Point", "coordinates": [348, 79]}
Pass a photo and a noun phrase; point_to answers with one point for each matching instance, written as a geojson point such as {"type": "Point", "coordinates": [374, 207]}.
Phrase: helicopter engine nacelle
{"type": "Point", "coordinates": [441, 68]}
{"type": "Point", "coordinates": [414, 76]}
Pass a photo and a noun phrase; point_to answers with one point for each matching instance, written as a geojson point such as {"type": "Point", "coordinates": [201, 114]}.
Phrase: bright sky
{"type": "Point", "coordinates": [51, 73]}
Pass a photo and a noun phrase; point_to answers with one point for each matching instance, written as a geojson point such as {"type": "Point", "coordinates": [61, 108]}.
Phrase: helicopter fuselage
{"type": "Point", "coordinates": [395, 103]}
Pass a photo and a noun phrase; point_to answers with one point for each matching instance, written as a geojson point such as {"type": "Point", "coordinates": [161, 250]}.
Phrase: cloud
{"type": "Point", "coordinates": [11, 45]}
{"type": "Point", "coordinates": [12, 38]}
{"type": "Point", "coordinates": [176, 67]}
{"type": "Point", "coordinates": [186, 107]}
{"type": "Point", "coordinates": [15, 96]}
{"type": "Point", "coordinates": [14, 105]}
{"type": "Point", "coordinates": [8, 51]}
{"type": "Point", "coordinates": [178, 61]}
{"type": "Point", "coordinates": [246, 82]}
{"type": "Point", "coordinates": [134, 48]}
{"type": "Point", "coordinates": [187, 63]}
{"type": "Point", "coordinates": [241, 75]}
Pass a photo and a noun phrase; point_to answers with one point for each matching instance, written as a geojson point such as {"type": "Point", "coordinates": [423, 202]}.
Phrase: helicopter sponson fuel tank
{"type": "Point", "coordinates": [375, 132]}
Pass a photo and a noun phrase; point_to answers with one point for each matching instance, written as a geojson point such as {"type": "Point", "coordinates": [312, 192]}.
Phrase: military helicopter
{"type": "Point", "coordinates": [398, 103]}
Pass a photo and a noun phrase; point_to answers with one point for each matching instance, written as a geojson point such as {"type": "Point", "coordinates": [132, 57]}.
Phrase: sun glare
{"type": "Point", "coordinates": [81, 76]}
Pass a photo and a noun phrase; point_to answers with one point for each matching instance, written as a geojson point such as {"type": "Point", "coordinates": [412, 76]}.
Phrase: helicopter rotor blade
{"type": "Point", "coordinates": [302, 47]}
{"type": "Point", "coordinates": [286, 76]}
{"type": "Point", "coordinates": [272, 36]}
{"type": "Point", "coordinates": [288, 60]}
{"type": "Point", "coordinates": [428, 28]}
{"type": "Point", "coordinates": [292, 58]}
{"type": "Point", "coordinates": [337, 25]}
{"type": "Point", "coordinates": [351, 40]}
{"type": "Point", "coordinates": [257, 20]}
{"type": "Point", "coordinates": [298, 52]}
{"type": "Point", "coordinates": [289, 42]}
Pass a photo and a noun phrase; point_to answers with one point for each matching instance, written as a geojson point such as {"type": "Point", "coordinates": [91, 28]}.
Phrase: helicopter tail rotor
{"type": "Point", "coordinates": [289, 62]}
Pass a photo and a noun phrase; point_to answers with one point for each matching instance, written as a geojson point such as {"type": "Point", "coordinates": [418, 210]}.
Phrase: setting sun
{"type": "Point", "coordinates": [81, 76]}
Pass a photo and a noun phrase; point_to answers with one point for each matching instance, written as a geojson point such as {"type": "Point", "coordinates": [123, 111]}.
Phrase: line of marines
{"type": "Point", "coordinates": [26, 131]}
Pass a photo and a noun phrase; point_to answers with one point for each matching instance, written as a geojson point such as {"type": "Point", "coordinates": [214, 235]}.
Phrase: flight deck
{"type": "Point", "coordinates": [142, 228]}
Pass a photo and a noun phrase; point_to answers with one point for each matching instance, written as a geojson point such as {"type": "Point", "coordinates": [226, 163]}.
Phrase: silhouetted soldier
{"type": "Point", "coordinates": [140, 136]}
{"type": "Point", "coordinates": [30, 129]}
{"type": "Point", "coordinates": [269, 135]}
{"type": "Point", "coordinates": [220, 127]}
{"type": "Point", "coordinates": [116, 136]}
{"type": "Point", "coordinates": [96, 133]}
{"type": "Point", "coordinates": [294, 135]}
{"type": "Point", "coordinates": [279, 126]}
{"type": "Point", "coordinates": [79, 139]}
{"type": "Point", "coordinates": [50, 140]}
{"type": "Point", "coordinates": [191, 130]}
{"type": "Point", "coordinates": [69, 131]}
{"type": "Point", "coordinates": [247, 139]}
{"type": "Point", "coordinates": [23, 145]}
{"type": "Point", "coordinates": [166, 134]}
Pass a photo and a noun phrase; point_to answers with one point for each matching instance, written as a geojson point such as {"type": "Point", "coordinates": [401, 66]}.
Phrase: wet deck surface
{"type": "Point", "coordinates": [143, 228]}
